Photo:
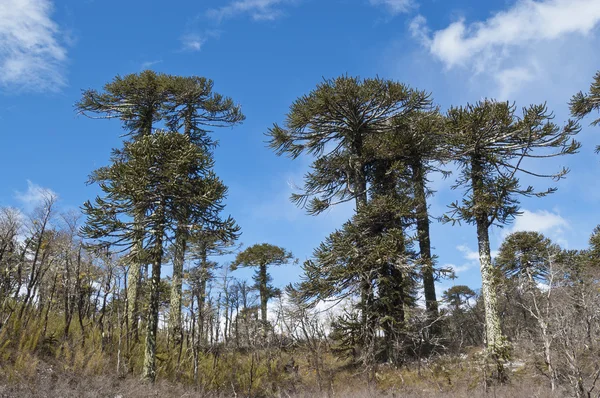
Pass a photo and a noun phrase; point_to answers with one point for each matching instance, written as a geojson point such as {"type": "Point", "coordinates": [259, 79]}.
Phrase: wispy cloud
{"type": "Point", "coordinates": [545, 222]}
{"type": "Point", "coordinates": [34, 196]}
{"type": "Point", "coordinates": [195, 41]}
{"type": "Point", "coordinates": [505, 44]}
{"type": "Point", "coordinates": [394, 7]}
{"type": "Point", "coordinates": [471, 257]}
{"type": "Point", "coordinates": [32, 57]}
{"type": "Point", "coordinates": [149, 64]}
{"type": "Point", "coordinates": [258, 10]}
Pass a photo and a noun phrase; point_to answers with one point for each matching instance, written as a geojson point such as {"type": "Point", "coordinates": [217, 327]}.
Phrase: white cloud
{"type": "Point", "coordinates": [34, 196]}
{"type": "Point", "coordinates": [458, 268]}
{"type": "Point", "coordinates": [471, 257]}
{"type": "Point", "coordinates": [394, 6]}
{"type": "Point", "coordinates": [259, 10]}
{"type": "Point", "coordinates": [195, 41]}
{"type": "Point", "coordinates": [548, 223]}
{"type": "Point", "coordinates": [31, 55]}
{"type": "Point", "coordinates": [149, 64]}
{"type": "Point", "coordinates": [505, 45]}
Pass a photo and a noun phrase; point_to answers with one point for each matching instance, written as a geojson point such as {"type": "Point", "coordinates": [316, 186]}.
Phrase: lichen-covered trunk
{"type": "Point", "coordinates": [176, 286]}
{"type": "Point", "coordinates": [202, 321]}
{"type": "Point", "coordinates": [149, 370]}
{"type": "Point", "coordinates": [264, 297]}
{"type": "Point", "coordinates": [431, 304]}
{"type": "Point", "coordinates": [494, 337]}
{"type": "Point", "coordinates": [497, 347]}
{"type": "Point", "coordinates": [134, 281]}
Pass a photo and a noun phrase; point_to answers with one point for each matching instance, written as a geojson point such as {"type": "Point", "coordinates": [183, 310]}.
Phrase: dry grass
{"type": "Point", "coordinates": [434, 381]}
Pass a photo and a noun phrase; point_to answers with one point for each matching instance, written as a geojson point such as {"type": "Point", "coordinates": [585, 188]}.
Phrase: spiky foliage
{"type": "Point", "coordinates": [262, 256]}
{"type": "Point", "coordinates": [526, 256]}
{"type": "Point", "coordinates": [457, 296]}
{"type": "Point", "coordinates": [595, 242]}
{"type": "Point", "coordinates": [136, 99]}
{"type": "Point", "coordinates": [490, 144]}
{"type": "Point", "coordinates": [154, 177]}
{"type": "Point", "coordinates": [333, 124]}
{"type": "Point", "coordinates": [371, 247]}
{"type": "Point", "coordinates": [186, 104]}
{"type": "Point", "coordinates": [583, 104]}
{"type": "Point", "coordinates": [194, 108]}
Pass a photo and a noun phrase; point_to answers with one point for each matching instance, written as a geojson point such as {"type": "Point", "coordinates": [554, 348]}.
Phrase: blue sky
{"type": "Point", "coordinates": [266, 53]}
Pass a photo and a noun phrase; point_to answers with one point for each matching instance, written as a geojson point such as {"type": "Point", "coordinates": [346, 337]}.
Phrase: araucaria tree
{"type": "Point", "coordinates": [261, 256]}
{"type": "Point", "coordinates": [416, 142]}
{"type": "Point", "coordinates": [185, 104]}
{"type": "Point", "coordinates": [181, 103]}
{"type": "Point", "coordinates": [136, 100]}
{"type": "Point", "coordinates": [492, 145]}
{"type": "Point", "coordinates": [337, 123]}
{"type": "Point", "coordinates": [170, 173]}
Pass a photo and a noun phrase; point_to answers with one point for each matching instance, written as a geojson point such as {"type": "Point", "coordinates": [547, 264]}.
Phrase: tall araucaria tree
{"type": "Point", "coordinates": [334, 124]}
{"type": "Point", "coordinates": [417, 143]}
{"type": "Point", "coordinates": [185, 104]}
{"type": "Point", "coordinates": [170, 173]}
{"type": "Point", "coordinates": [137, 100]}
{"type": "Point", "coordinates": [262, 256]}
{"type": "Point", "coordinates": [492, 146]}
{"type": "Point", "coordinates": [193, 108]}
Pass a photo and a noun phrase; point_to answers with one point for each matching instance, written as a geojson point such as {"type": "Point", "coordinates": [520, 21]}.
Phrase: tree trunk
{"type": "Point", "coordinates": [263, 299]}
{"type": "Point", "coordinates": [149, 371]}
{"type": "Point", "coordinates": [178, 260]}
{"type": "Point", "coordinates": [133, 284]}
{"type": "Point", "coordinates": [497, 346]}
{"type": "Point", "coordinates": [418, 177]}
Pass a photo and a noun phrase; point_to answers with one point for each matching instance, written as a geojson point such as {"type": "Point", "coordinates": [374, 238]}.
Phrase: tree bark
{"type": "Point", "coordinates": [177, 281]}
{"type": "Point", "coordinates": [263, 299]}
{"type": "Point", "coordinates": [424, 238]}
{"type": "Point", "coordinates": [149, 371]}
{"type": "Point", "coordinates": [496, 343]}
{"type": "Point", "coordinates": [133, 284]}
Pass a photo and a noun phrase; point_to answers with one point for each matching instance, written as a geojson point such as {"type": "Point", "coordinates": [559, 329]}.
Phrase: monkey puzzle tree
{"type": "Point", "coordinates": [137, 100]}
{"type": "Point", "coordinates": [182, 103]}
{"type": "Point", "coordinates": [526, 255]}
{"type": "Point", "coordinates": [371, 246]}
{"type": "Point", "coordinates": [262, 256]}
{"type": "Point", "coordinates": [193, 108]}
{"type": "Point", "coordinates": [458, 295]}
{"type": "Point", "coordinates": [491, 145]}
{"type": "Point", "coordinates": [417, 143]}
{"type": "Point", "coordinates": [166, 173]}
{"type": "Point", "coordinates": [334, 123]}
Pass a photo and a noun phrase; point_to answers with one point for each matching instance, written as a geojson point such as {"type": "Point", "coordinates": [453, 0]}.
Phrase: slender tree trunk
{"type": "Point", "coordinates": [497, 346]}
{"type": "Point", "coordinates": [264, 297]}
{"type": "Point", "coordinates": [149, 371]}
{"type": "Point", "coordinates": [134, 282]}
{"type": "Point", "coordinates": [366, 284]}
{"type": "Point", "coordinates": [418, 177]}
{"type": "Point", "coordinates": [49, 304]}
{"type": "Point", "coordinates": [176, 286]}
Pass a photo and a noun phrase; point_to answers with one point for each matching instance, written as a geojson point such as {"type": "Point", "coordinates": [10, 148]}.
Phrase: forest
{"type": "Point", "coordinates": [87, 309]}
